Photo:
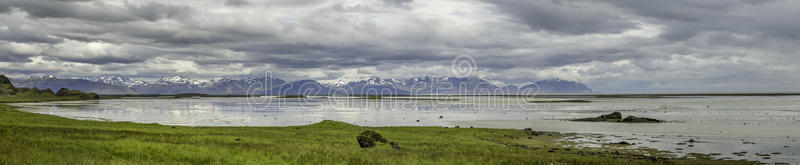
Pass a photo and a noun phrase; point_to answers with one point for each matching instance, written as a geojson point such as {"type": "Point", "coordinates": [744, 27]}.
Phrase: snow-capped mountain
{"type": "Point", "coordinates": [117, 80]}
{"type": "Point", "coordinates": [267, 85]}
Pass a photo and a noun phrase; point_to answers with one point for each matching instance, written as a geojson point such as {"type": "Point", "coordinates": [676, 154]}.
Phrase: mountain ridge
{"type": "Point", "coordinates": [424, 85]}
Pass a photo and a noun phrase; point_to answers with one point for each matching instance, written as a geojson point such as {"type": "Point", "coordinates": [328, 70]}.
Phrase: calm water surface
{"type": "Point", "coordinates": [723, 124]}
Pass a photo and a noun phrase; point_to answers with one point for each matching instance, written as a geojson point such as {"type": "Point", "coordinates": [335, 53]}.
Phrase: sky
{"type": "Point", "coordinates": [610, 45]}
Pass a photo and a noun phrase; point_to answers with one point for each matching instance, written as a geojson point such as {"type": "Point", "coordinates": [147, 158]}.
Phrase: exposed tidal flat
{"type": "Point", "coordinates": [705, 127]}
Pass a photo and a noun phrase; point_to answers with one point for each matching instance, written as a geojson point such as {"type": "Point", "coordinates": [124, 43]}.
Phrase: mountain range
{"type": "Point", "coordinates": [275, 86]}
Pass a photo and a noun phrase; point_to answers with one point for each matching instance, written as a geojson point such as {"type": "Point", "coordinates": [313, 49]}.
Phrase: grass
{"type": "Point", "coordinates": [35, 98]}
{"type": "Point", "coordinates": [29, 138]}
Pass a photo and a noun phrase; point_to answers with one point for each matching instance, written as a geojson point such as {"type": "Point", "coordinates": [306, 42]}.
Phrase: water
{"type": "Point", "coordinates": [721, 124]}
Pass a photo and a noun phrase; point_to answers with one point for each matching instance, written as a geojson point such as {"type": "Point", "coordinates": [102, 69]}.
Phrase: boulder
{"type": "Point", "coordinates": [367, 139]}
{"type": "Point", "coordinates": [614, 115]}
{"type": "Point", "coordinates": [634, 119]}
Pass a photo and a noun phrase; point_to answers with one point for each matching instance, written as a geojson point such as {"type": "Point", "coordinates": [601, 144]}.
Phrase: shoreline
{"type": "Point", "coordinates": [332, 138]}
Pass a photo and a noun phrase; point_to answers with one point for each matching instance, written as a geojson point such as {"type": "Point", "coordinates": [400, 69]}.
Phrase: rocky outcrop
{"type": "Point", "coordinates": [368, 139]}
{"type": "Point", "coordinates": [617, 117]}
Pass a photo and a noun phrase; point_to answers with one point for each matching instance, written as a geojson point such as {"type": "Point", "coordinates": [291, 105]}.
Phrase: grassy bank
{"type": "Point", "coordinates": [35, 98]}
{"type": "Point", "coordinates": [29, 138]}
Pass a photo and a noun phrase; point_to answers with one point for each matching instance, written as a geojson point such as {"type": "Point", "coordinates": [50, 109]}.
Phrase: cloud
{"type": "Point", "coordinates": [614, 46]}
{"type": "Point", "coordinates": [567, 17]}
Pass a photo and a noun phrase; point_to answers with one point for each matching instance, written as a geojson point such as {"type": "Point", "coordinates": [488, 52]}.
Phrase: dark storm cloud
{"type": "Point", "coordinates": [157, 11]}
{"type": "Point", "coordinates": [237, 2]}
{"type": "Point", "coordinates": [560, 16]}
{"type": "Point", "coordinates": [61, 9]}
{"type": "Point", "coordinates": [20, 34]}
{"type": "Point", "coordinates": [306, 55]}
{"type": "Point", "coordinates": [687, 18]}
{"type": "Point", "coordinates": [93, 11]}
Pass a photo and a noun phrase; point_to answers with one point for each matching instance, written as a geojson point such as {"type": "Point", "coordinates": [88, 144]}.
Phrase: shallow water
{"type": "Point", "coordinates": [722, 123]}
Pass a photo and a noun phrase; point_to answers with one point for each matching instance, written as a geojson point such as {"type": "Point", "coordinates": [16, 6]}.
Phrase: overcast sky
{"type": "Point", "coordinates": [613, 45]}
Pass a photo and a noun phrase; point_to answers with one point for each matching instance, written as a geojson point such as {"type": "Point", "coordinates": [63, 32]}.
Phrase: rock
{"type": "Point", "coordinates": [394, 145]}
{"type": "Point", "coordinates": [530, 131]}
{"type": "Point", "coordinates": [365, 142]}
{"type": "Point", "coordinates": [367, 139]}
{"type": "Point", "coordinates": [614, 115]}
{"type": "Point", "coordinates": [622, 143]}
{"type": "Point", "coordinates": [633, 119]}
{"type": "Point", "coordinates": [617, 117]}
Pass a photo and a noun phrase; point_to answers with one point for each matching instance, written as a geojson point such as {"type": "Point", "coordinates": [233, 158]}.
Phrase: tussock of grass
{"type": "Point", "coordinates": [28, 138]}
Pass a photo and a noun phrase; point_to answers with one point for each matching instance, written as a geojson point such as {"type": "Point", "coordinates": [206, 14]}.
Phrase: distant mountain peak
{"type": "Point", "coordinates": [357, 85]}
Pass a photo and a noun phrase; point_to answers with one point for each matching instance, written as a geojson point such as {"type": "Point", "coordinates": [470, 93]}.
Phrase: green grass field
{"type": "Point", "coordinates": [28, 138]}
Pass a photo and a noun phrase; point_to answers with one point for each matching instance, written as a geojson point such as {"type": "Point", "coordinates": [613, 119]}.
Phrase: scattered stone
{"type": "Point", "coordinates": [441, 117]}
{"type": "Point", "coordinates": [691, 141]}
{"type": "Point", "coordinates": [417, 121]}
{"type": "Point", "coordinates": [622, 143]}
{"type": "Point", "coordinates": [394, 145]}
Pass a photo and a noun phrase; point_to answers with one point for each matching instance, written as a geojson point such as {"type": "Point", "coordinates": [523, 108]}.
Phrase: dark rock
{"type": "Point", "coordinates": [633, 119]}
{"type": "Point", "coordinates": [367, 139]}
{"type": "Point", "coordinates": [365, 142]}
{"type": "Point", "coordinates": [530, 131]}
{"type": "Point", "coordinates": [622, 143]}
{"type": "Point", "coordinates": [617, 117]}
{"type": "Point", "coordinates": [614, 115]}
{"type": "Point", "coordinates": [394, 145]}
